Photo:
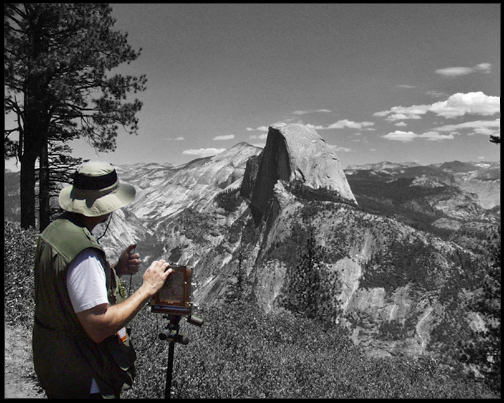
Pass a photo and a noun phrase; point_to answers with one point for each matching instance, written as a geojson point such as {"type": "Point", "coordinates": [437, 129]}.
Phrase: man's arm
{"type": "Point", "coordinates": [103, 320]}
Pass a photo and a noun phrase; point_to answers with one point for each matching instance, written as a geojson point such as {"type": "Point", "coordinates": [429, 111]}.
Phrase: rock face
{"type": "Point", "coordinates": [400, 286]}
{"type": "Point", "coordinates": [293, 153]}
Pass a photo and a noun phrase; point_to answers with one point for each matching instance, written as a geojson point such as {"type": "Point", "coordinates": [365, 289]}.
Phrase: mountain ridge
{"type": "Point", "coordinates": [400, 281]}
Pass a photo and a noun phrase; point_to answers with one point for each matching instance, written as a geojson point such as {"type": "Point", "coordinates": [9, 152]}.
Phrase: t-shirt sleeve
{"type": "Point", "coordinates": [86, 281]}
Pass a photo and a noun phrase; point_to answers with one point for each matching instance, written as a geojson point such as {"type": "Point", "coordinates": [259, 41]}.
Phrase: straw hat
{"type": "Point", "coordinates": [96, 191]}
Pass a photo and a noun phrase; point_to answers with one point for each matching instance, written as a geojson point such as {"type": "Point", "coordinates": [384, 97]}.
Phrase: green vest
{"type": "Point", "coordinates": [65, 357]}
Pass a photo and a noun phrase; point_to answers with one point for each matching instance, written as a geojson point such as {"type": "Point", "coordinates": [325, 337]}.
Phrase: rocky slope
{"type": "Point", "coordinates": [250, 212]}
{"type": "Point", "coordinates": [253, 210]}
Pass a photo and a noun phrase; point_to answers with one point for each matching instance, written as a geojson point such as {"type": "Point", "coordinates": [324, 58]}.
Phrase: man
{"type": "Point", "coordinates": [80, 346]}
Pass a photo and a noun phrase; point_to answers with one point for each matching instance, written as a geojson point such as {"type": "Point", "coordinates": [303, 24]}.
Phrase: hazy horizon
{"type": "Point", "coordinates": [379, 82]}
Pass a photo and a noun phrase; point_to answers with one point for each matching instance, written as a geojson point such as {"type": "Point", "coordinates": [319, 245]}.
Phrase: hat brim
{"type": "Point", "coordinates": [96, 204]}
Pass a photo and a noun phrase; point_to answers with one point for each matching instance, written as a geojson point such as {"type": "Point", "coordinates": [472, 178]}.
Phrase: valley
{"type": "Point", "coordinates": [400, 247]}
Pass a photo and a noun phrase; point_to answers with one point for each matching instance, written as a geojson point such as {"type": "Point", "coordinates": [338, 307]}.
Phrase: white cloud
{"type": "Point", "coordinates": [471, 103]}
{"type": "Point", "coordinates": [462, 71]}
{"type": "Point", "coordinates": [311, 111]}
{"type": "Point", "coordinates": [315, 127]}
{"type": "Point", "coordinates": [224, 137]}
{"type": "Point", "coordinates": [454, 71]}
{"type": "Point", "coordinates": [456, 105]}
{"type": "Point", "coordinates": [204, 152]}
{"type": "Point", "coordinates": [485, 67]}
{"type": "Point", "coordinates": [435, 136]}
{"type": "Point", "coordinates": [436, 94]}
{"type": "Point", "coordinates": [407, 137]}
{"type": "Point", "coordinates": [174, 139]}
{"type": "Point", "coordinates": [340, 124]}
{"type": "Point", "coordinates": [486, 127]}
{"type": "Point", "coordinates": [339, 149]}
{"type": "Point", "coordinates": [260, 128]}
{"type": "Point", "coordinates": [399, 135]}
{"type": "Point", "coordinates": [262, 136]}
{"type": "Point", "coordinates": [403, 113]}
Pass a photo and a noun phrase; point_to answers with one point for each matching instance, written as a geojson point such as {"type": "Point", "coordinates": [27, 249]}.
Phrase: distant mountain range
{"type": "Point", "coordinates": [404, 240]}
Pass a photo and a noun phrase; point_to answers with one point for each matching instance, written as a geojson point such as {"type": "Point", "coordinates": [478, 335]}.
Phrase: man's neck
{"type": "Point", "coordinates": [89, 222]}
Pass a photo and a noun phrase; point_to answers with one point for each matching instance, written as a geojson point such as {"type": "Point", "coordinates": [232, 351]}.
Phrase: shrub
{"type": "Point", "coordinates": [19, 251]}
{"type": "Point", "coordinates": [229, 200]}
{"type": "Point", "coordinates": [242, 352]}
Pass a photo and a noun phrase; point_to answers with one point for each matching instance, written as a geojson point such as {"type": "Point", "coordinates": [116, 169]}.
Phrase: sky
{"type": "Point", "coordinates": [379, 82]}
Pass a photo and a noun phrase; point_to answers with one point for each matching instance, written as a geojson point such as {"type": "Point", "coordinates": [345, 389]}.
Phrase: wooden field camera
{"type": "Point", "coordinates": [174, 301]}
{"type": "Point", "coordinates": [174, 298]}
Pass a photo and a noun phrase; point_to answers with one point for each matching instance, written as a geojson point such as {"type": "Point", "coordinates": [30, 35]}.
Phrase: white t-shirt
{"type": "Point", "coordinates": [86, 281]}
{"type": "Point", "coordinates": [87, 285]}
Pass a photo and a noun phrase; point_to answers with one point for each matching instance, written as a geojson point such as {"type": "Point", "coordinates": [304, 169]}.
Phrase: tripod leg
{"type": "Point", "coordinates": [169, 370]}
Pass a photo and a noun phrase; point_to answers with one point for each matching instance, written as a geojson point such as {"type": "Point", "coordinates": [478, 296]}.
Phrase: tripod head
{"type": "Point", "coordinates": [171, 333]}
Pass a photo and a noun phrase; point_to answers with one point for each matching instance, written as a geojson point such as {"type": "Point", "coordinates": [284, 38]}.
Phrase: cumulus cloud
{"type": "Point", "coordinates": [399, 135]}
{"type": "Point", "coordinates": [345, 123]}
{"type": "Point", "coordinates": [462, 71]}
{"type": "Point", "coordinates": [476, 103]}
{"type": "Point", "coordinates": [486, 127]}
{"type": "Point", "coordinates": [447, 132]}
{"type": "Point", "coordinates": [262, 136]}
{"type": "Point", "coordinates": [339, 149]}
{"type": "Point", "coordinates": [456, 105]}
{"type": "Point", "coordinates": [260, 129]}
{"type": "Point", "coordinates": [315, 127]}
{"type": "Point", "coordinates": [403, 113]}
{"type": "Point", "coordinates": [224, 137]}
{"type": "Point", "coordinates": [204, 152]}
{"type": "Point", "coordinates": [407, 137]}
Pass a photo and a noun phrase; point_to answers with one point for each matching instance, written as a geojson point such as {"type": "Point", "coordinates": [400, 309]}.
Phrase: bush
{"type": "Point", "coordinates": [19, 252]}
{"type": "Point", "coordinates": [229, 200]}
{"type": "Point", "coordinates": [241, 352]}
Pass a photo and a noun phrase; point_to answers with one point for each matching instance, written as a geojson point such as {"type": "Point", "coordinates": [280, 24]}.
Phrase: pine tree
{"type": "Point", "coordinates": [310, 288]}
{"type": "Point", "coordinates": [57, 59]}
{"type": "Point", "coordinates": [485, 349]}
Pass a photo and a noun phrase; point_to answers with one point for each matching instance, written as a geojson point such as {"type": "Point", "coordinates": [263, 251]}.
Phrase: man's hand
{"type": "Point", "coordinates": [128, 262]}
{"type": "Point", "coordinates": [155, 276]}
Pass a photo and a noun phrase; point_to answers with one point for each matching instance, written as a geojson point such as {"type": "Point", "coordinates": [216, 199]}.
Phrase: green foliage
{"type": "Point", "coordinates": [309, 287]}
{"type": "Point", "coordinates": [484, 350]}
{"type": "Point", "coordinates": [241, 352]}
{"type": "Point", "coordinates": [400, 263]}
{"type": "Point", "coordinates": [392, 330]}
{"type": "Point", "coordinates": [57, 61]}
{"type": "Point", "coordinates": [391, 198]}
{"type": "Point", "coordinates": [195, 225]}
{"type": "Point", "coordinates": [19, 250]}
{"type": "Point", "coordinates": [307, 193]}
{"type": "Point", "coordinates": [229, 200]}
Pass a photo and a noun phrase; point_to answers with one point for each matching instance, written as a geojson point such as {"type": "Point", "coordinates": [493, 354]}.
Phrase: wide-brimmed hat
{"type": "Point", "coordinates": [96, 191]}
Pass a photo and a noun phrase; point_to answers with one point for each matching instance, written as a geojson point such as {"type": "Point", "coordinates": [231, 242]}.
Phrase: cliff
{"type": "Point", "coordinates": [293, 153]}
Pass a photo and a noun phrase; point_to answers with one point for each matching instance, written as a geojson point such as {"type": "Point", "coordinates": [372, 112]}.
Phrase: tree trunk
{"type": "Point", "coordinates": [28, 191]}
{"type": "Point", "coordinates": [44, 207]}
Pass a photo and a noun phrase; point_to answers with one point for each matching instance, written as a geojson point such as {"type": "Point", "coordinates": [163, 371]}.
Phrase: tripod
{"type": "Point", "coordinates": [172, 335]}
